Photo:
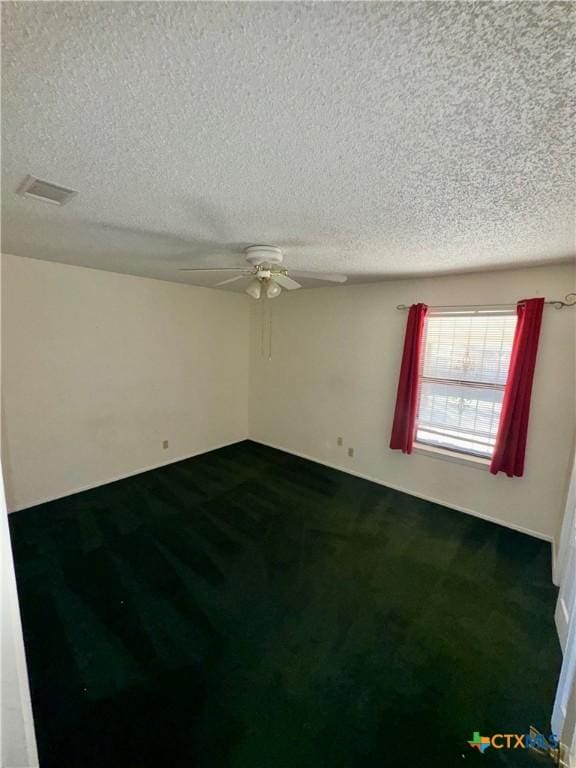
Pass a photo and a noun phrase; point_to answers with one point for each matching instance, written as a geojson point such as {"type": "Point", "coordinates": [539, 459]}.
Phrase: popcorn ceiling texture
{"type": "Point", "coordinates": [379, 139]}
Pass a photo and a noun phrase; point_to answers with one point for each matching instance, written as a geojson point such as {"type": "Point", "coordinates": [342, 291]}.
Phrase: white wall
{"type": "Point", "coordinates": [334, 369]}
{"type": "Point", "coordinates": [99, 368]}
{"type": "Point", "coordinates": [17, 739]}
{"type": "Point", "coordinates": [568, 735]}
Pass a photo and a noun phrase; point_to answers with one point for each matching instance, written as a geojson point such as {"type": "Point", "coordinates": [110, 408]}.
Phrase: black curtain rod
{"type": "Point", "coordinates": [569, 301]}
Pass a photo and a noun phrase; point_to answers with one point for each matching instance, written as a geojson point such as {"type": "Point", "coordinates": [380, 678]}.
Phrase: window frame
{"type": "Point", "coordinates": [447, 453]}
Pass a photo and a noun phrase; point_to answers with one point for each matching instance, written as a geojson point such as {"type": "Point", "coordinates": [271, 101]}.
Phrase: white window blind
{"type": "Point", "coordinates": [466, 356]}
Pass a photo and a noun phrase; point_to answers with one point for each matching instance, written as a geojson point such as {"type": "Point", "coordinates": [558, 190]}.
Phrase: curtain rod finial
{"type": "Point", "coordinates": [569, 301]}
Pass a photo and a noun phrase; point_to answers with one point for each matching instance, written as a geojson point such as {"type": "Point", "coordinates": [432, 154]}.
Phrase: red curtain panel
{"type": "Point", "coordinates": [513, 427]}
{"type": "Point", "coordinates": [404, 425]}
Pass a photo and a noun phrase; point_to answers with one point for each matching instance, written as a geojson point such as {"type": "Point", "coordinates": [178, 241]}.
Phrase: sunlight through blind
{"type": "Point", "coordinates": [465, 363]}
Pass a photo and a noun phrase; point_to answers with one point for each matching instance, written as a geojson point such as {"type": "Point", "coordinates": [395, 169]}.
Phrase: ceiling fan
{"type": "Point", "coordinates": [267, 273]}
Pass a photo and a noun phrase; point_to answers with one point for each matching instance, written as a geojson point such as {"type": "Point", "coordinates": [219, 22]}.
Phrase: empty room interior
{"type": "Point", "coordinates": [288, 324]}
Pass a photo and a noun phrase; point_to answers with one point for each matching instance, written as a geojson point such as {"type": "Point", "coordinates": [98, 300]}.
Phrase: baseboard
{"type": "Point", "coordinates": [348, 471]}
{"type": "Point", "coordinates": [337, 467]}
{"type": "Point", "coordinates": [125, 475]}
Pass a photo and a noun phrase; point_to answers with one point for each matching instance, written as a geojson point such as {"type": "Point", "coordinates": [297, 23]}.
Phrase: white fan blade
{"type": "Point", "coordinates": [233, 279]}
{"type": "Point", "coordinates": [212, 269]}
{"type": "Point", "coordinates": [286, 282]}
{"type": "Point", "coordinates": [328, 276]}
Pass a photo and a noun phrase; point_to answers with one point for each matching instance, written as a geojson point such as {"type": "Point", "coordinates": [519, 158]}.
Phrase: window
{"type": "Point", "coordinates": [466, 356]}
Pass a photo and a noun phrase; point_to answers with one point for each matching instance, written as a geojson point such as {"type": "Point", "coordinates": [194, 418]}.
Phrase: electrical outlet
{"type": "Point", "coordinates": [339, 441]}
{"type": "Point", "coordinates": [350, 451]}
{"type": "Point", "coordinates": [164, 444]}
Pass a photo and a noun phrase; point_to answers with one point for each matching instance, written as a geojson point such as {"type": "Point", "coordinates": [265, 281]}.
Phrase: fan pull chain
{"type": "Point", "coordinates": [262, 328]}
{"type": "Point", "coordinates": [270, 335]}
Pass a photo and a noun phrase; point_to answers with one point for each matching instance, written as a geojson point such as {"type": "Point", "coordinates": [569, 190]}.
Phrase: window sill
{"type": "Point", "coordinates": [457, 458]}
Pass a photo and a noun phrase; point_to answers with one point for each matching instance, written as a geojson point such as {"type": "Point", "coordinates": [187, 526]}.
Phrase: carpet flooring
{"type": "Point", "coordinates": [250, 609]}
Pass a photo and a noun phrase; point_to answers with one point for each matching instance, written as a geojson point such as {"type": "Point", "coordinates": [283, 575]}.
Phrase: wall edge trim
{"type": "Point", "coordinates": [126, 475]}
{"type": "Point", "coordinates": [528, 531]}
{"type": "Point", "coordinates": [299, 454]}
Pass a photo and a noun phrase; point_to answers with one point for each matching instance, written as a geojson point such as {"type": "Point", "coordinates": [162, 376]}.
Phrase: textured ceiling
{"type": "Point", "coordinates": [378, 139]}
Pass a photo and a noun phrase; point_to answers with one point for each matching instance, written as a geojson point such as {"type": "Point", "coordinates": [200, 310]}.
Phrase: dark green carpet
{"type": "Point", "coordinates": [250, 609]}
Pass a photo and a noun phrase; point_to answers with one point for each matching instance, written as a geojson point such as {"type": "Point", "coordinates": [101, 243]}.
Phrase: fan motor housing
{"type": "Point", "coordinates": [263, 254]}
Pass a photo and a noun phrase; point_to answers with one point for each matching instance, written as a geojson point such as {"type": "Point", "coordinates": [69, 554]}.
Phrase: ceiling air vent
{"type": "Point", "coordinates": [44, 190]}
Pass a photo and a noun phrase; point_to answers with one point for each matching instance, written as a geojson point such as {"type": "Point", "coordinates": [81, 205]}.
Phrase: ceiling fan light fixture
{"type": "Point", "coordinates": [270, 277]}
{"type": "Point", "coordinates": [254, 289]}
{"type": "Point", "coordinates": [273, 290]}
